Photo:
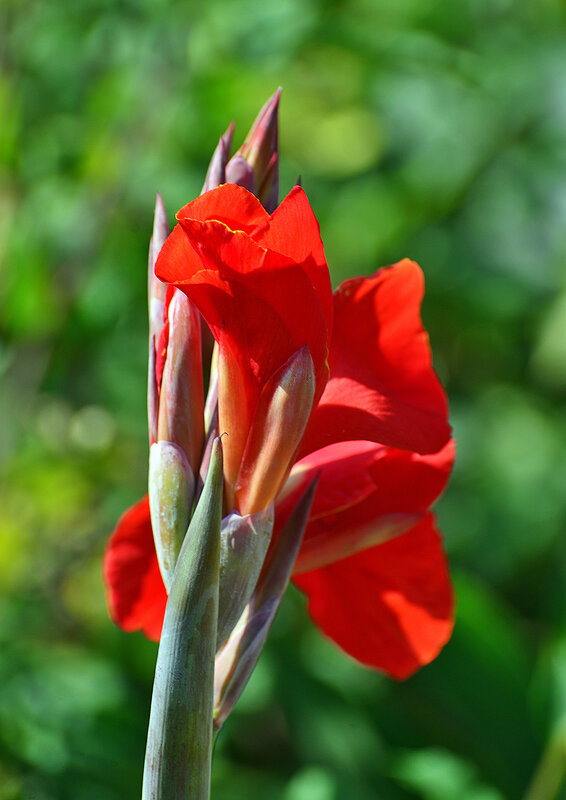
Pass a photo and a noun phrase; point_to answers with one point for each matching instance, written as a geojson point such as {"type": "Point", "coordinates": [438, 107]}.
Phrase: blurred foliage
{"type": "Point", "coordinates": [420, 128]}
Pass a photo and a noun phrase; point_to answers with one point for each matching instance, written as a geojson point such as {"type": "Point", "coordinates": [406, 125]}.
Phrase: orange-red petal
{"type": "Point", "coordinates": [260, 305]}
{"type": "Point", "coordinates": [366, 494]}
{"type": "Point", "coordinates": [293, 231]}
{"type": "Point", "coordinates": [134, 587]}
{"type": "Point", "coordinates": [265, 303]}
{"type": "Point", "coordinates": [390, 607]}
{"type": "Point", "coordinates": [382, 384]}
{"type": "Point", "coordinates": [230, 204]}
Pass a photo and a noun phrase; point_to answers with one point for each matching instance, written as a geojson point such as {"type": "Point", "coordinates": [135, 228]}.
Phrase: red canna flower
{"type": "Point", "coordinates": [311, 383]}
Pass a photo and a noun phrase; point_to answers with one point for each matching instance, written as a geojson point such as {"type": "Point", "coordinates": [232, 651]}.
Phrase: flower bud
{"type": "Point", "coordinates": [236, 661]}
{"type": "Point", "coordinates": [243, 545]}
{"type": "Point", "coordinates": [156, 300]}
{"type": "Point", "coordinates": [260, 152]}
{"type": "Point", "coordinates": [281, 417]}
{"type": "Point", "coordinates": [171, 489]}
{"type": "Point", "coordinates": [216, 173]}
{"type": "Point", "coordinates": [239, 171]}
{"type": "Point", "coordinates": [181, 402]}
{"type": "Point", "coordinates": [156, 289]}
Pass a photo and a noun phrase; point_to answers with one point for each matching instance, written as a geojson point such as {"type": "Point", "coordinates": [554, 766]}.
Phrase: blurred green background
{"type": "Point", "coordinates": [421, 128]}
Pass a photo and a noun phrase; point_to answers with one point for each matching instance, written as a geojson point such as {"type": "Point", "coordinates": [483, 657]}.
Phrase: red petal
{"type": "Point", "coordinates": [264, 315]}
{"type": "Point", "coordinates": [366, 494]}
{"type": "Point", "coordinates": [293, 230]}
{"type": "Point", "coordinates": [233, 205]}
{"type": "Point", "coordinates": [352, 471]}
{"type": "Point", "coordinates": [390, 607]}
{"type": "Point", "coordinates": [286, 302]}
{"type": "Point", "coordinates": [135, 591]}
{"type": "Point", "coordinates": [382, 385]}
{"type": "Point", "coordinates": [410, 481]}
{"type": "Point", "coordinates": [177, 260]}
{"type": "Point", "coordinates": [260, 305]}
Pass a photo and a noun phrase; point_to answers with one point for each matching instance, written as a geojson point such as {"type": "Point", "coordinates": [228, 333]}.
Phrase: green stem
{"type": "Point", "coordinates": [179, 744]}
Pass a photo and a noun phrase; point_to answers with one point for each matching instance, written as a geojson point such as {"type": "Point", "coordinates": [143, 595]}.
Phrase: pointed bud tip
{"type": "Point", "coordinates": [261, 141]}
{"type": "Point", "coordinates": [160, 223]}
{"type": "Point", "coordinates": [216, 173]}
{"type": "Point", "coordinates": [217, 455]}
{"type": "Point", "coordinates": [299, 372]}
{"type": "Point", "coordinates": [266, 120]}
{"type": "Point", "coordinates": [275, 97]}
{"type": "Point", "coordinates": [160, 232]}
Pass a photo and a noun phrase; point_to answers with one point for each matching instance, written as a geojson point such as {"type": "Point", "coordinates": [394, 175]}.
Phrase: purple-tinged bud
{"type": "Point", "coordinates": [156, 289]}
{"type": "Point", "coordinates": [236, 661]}
{"type": "Point", "coordinates": [260, 152]}
{"type": "Point", "coordinates": [239, 171]}
{"type": "Point", "coordinates": [216, 173]}
{"type": "Point", "coordinates": [152, 393]}
{"type": "Point", "coordinates": [243, 544]}
{"type": "Point", "coordinates": [268, 190]}
{"type": "Point", "coordinates": [156, 300]}
{"type": "Point", "coordinates": [171, 489]}
{"type": "Point", "coordinates": [281, 417]}
{"type": "Point", "coordinates": [181, 402]}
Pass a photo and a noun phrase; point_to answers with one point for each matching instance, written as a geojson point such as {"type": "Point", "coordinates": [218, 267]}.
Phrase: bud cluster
{"type": "Point", "coordinates": [258, 454]}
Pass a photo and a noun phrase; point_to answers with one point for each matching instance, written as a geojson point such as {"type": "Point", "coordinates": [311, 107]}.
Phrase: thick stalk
{"type": "Point", "coordinates": [179, 745]}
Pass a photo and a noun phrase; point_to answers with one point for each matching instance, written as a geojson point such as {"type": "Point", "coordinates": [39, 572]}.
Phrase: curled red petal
{"type": "Point", "coordinates": [366, 494]}
{"type": "Point", "coordinates": [390, 607]}
{"type": "Point", "coordinates": [285, 301]}
{"type": "Point", "coordinates": [236, 207]}
{"type": "Point", "coordinates": [382, 384]}
{"type": "Point", "coordinates": [134, 588]}
{"type": "Point", "coordinates": [397, 480]}
{"type": "Point", "coordinates": [260, 305]}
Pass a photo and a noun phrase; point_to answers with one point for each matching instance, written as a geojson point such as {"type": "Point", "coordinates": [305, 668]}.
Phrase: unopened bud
{"type": "Point", "coordinates": [236, 661]}
{"type": "Point", "coordinates": [243, 545]}
{"type": "Point", "coordinates": [181, 402]}
{"type": "Point", "coordinates": [156, 289]}
{"type": "Point", "coordinates": [156, 299]}
{"type": "Point", "coordinates": [171, 488]}
{"type": "Point", "coordinates": [216, 173]}
{"type": "Point", "coordinates": [281, 417]}
{"type": "Point", "coordinates": [239, 171]}
{"type": "Point", "coordinates": [260, 152]}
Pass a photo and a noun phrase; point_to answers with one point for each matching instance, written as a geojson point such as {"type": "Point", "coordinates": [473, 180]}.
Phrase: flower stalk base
{"type": "Point", "coordinates": [179, 745]}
